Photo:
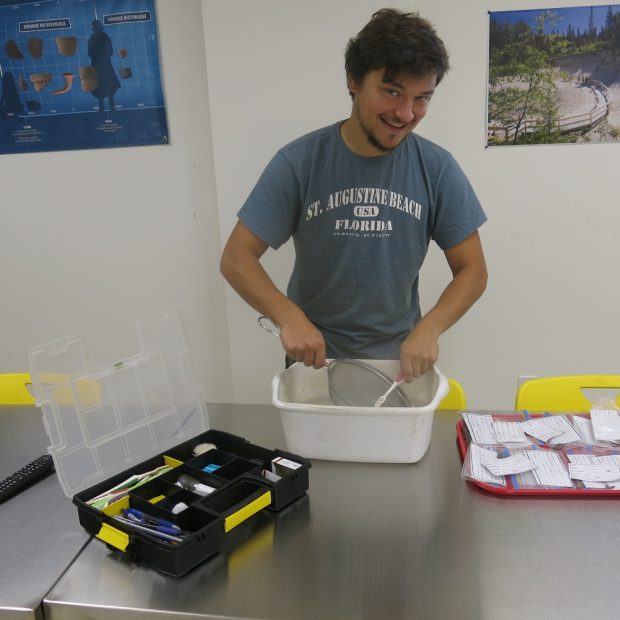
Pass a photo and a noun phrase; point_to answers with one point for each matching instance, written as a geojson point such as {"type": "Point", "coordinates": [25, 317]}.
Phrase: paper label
{"type": "Point", "coordinates": [542, 429]}
{"type": "Point", "coordinates": [584, 427]}
{"type": "Point", "coordinates": [593, 472]}
{"type": "Point", "coordinates": [550, 471]}
{"type": "Point", "coordinates": [509, 432]}
{"type": "Point", "coordinates": [479, 457]}
{"type": "Point", "coordinates": [514, 464]}
{"type": "Point", "coordinates": [606, 424]}
{"type": "Point", "coordinates": [589, 459]}
{"type": "Point", "coordinates": [480, 428]}
{"type": "Point", "coordinates": [569, 434]}
{"type": "Point", "coordinates": [280, 460]}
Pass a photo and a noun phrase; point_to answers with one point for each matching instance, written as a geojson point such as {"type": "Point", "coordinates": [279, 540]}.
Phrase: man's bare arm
{"type": "Point", "coordinates": [241, 266]}
{"type": "Point", "coordinates": [420, 350]}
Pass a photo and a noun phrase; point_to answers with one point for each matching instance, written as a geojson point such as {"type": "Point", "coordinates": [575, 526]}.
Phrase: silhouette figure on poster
{"type": "Point", "coordinates": [10, 105]}
{"type": "Point", "coordinates": [100, 53]}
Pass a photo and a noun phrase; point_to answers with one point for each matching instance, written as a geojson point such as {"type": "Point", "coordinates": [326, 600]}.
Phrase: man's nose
{"type": "Point", "coordinates": [405, 112]}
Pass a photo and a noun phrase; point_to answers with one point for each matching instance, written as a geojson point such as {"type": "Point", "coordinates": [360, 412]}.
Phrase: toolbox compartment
{"type": "Point", "coordinates": [146, 414]}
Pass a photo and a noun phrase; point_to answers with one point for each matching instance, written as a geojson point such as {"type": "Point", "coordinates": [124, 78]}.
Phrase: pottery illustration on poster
{"type": "Point", "coordinates": [79, 74]}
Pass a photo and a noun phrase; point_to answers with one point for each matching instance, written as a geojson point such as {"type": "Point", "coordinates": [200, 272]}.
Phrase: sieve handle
{"type": "Point", "coordinates": [274, 328]}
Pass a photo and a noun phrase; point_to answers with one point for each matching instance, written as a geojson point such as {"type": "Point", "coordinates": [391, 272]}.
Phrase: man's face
{"type": "Point", "coordinates": [385, 113]}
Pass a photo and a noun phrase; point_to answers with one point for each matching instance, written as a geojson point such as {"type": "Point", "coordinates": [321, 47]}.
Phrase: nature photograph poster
{"type": "Point", "coordinates": [79, 74]}
{"type": "Point", "coordinates": [554, 76]}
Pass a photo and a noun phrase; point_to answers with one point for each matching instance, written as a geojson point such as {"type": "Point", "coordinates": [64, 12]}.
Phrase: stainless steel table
{"type": "Point", "coordinates": [376, 542]}
{"type": "Point", "coordinates": [39, 529]}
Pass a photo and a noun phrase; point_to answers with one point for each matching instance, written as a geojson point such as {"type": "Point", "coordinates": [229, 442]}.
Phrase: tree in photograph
{"type": "Point", "coordinates": [609, 23]}
{"type": "Point", "coordinates": [546, 21]}
{"type": "Point", "coordinates": [523, 96]}
{"type": "Point", "coordinates": [612, 34]}
{"type": "Point", "coordinates": [522, 93]}
{"type": "Point", "coordinates": [544, 107]}
{"type": "Point", "coordinates": [591, 26]}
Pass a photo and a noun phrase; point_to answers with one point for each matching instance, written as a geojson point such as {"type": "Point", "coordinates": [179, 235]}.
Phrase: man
{"type": "Point", "coordinates": [362, 199]}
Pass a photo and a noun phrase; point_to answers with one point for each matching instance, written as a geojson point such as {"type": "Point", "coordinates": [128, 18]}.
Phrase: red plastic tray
{"type": "Point", "coordinates": [511, 489]}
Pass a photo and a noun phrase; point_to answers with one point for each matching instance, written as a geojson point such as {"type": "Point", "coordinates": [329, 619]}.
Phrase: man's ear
{"type": "Point", "coordinates": [352, 85]}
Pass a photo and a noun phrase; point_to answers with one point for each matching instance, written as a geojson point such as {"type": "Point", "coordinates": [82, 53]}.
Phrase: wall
{"type": "Point", "coordinates": [551, 239]}
{"type": "Point", "coordinates": [275, 72]}
{"type": "Point", "coordinates": [88, 252]}
{"type": "Point", "coordinates": [88, 255]}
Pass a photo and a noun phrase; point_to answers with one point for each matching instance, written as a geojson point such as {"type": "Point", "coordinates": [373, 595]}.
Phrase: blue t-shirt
{"type": "Point", "coordinates": [361, 227]}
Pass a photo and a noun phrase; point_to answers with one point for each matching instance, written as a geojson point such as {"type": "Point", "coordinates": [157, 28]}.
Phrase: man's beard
{"type": "Point", "coordinates": [372, 139]}
{"type": "Point", "coordinates": [370, 135]}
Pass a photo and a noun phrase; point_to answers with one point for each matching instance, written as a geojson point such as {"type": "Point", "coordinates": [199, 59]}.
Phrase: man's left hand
{"type": "Point", "coordinates": [419, 351]}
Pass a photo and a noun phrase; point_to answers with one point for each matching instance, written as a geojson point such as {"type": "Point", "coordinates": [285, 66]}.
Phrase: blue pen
{"type": "Point", "coordinates": [142, 517]}
{"type": "Point", "coordinates": [159, 531]}
{"type": "Point", "coordinates": [149, 526]}
{"type": "Point", "coordinates": [173, 531]}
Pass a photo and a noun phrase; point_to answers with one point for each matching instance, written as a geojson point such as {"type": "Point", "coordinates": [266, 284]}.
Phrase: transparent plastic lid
{"type": "Point", "coordinates": [103, 420]}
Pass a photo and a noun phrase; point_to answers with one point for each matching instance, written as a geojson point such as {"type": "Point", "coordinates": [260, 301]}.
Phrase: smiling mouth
{"type": "Point", "coordinates": [397, 125]}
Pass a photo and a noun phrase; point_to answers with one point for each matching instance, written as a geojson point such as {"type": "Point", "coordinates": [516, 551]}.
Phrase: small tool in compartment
{"type": "Point", "coordinates": [210, 468]}
{"type": "Point", "coordinates": [178, 508]}
{"type": "Point", "coordinates": [191, 484]}
{"type": "Point", "coordinates": [201, 448]}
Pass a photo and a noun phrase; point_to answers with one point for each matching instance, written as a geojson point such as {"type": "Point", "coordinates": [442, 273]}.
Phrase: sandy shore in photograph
{"type": "Point", "coordinates": [575, 97]}
{"type": "Point", "coordinates": [602, 70]}
{"type": "Point", "coordinates": [580, 93]}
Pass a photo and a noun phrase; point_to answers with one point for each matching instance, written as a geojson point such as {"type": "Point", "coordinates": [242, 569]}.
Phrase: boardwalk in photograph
{"type": "Point", "coordinates": [587, 96]}
{"type": "Point", "coordinates": [554, 76]}
{"type": "Point", "coordinates": [598, 71]}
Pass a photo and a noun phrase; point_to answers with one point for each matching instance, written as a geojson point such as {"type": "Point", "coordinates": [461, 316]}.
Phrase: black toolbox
{"type": "Point", "coordinates": [131, 445]}
{"type": "Point", "coordinates": [240, 491]}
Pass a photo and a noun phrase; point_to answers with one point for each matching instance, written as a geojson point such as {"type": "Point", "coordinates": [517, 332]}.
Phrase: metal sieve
{"type": "Point", "coordinates": [352, 383]}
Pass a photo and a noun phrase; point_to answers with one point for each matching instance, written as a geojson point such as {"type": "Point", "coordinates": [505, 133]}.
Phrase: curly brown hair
{"type": "Point", "coordinates": [401, 43]}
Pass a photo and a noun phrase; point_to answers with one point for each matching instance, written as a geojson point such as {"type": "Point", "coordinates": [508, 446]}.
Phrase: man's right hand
{"type": "Point", "coordinates": [303, 342]}
{"type": "Point", "coordinates": [241, 266]}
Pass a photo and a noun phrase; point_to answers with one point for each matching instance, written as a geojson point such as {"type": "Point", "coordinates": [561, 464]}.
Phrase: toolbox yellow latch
{"type": "Point", "coordinates": [114, 537]}
{"type": "Point", "coordinates": [246, 512]}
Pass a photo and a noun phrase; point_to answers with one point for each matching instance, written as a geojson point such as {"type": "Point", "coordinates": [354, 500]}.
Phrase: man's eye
{"type": "Point", "coordinates": [392, 93]}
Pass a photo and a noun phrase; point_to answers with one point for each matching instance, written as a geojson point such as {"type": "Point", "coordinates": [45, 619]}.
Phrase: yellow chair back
{"type": "Point", "coordinates": [554, 394]}
{"type": "Point", "coordinates": [13, 389]}
{"type": "Point", "coordinates": [455, 398]}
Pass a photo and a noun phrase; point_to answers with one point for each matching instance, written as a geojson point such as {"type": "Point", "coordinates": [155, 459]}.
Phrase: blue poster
{"type": "Point", "coordinates": [79, 74]}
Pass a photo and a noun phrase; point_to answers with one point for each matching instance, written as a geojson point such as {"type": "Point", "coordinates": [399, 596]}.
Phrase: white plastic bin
{"type": "Point", "coordinates": [315, 428]}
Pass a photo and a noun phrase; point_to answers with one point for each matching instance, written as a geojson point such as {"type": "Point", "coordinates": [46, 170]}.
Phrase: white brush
{"type": "Point", "coordinates": [201, 448]}
{"type": "Point", "coordinates": [379, 402]}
